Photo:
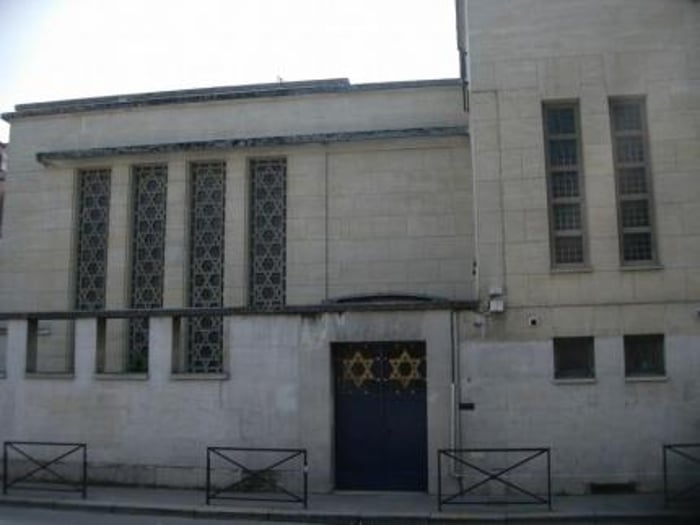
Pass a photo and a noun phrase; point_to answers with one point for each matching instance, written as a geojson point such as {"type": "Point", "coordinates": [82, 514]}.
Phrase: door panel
{"type": "Point", "coordinates": [380, 415]}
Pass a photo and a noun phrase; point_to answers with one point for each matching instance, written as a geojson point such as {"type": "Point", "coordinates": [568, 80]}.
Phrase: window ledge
{"type": "Point", "coordinates": [646, 379]}
{"type": "Point", "coordinates": [572, 269]}
{"type": "Point", "coordinates": [49, 375]}
{"type": "Point", "coordinates": [116, 376]}
{"type": "Point", "coordinates": [198, 377]}
{"type": "Point", "coordinates": [641, 267]}
{"type": "Point", "coordinates": [575, 381]}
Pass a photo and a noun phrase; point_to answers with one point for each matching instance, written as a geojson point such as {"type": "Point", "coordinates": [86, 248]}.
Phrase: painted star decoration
{"type": "Point", "coordinates": [358, 369]}
{"type": "Point", "coordinates": [405, 369]}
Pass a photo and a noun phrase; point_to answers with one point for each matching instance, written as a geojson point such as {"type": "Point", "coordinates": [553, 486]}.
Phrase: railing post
{"type": "Point", "coordinates": [4, 468]}
{"type": "Point", "coordinates": [665, 467]}
{"type": "Point", "coordinates": [85, 349]}
{"type": "Point", "coordinates": [439, 483]}
{"type": "Point", "coordinates": [160, 348]}
{"type": "Point", "coordinates": [549, 478]}
{"type": "Point", "coordinates": [16, 355]}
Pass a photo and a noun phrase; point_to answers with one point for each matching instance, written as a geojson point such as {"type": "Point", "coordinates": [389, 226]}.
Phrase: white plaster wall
{"type": "Point", "coordinates": [278, 393]}
{"type": "Point", "coordinates": [609, 430]}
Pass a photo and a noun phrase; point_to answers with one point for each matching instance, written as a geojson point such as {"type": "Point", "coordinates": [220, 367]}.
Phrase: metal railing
{"type": "Point", "coordinates": [258, 483]}
{"type": "Point", "coordinates": [690, 492]}
{"type": "Point", "coordinates": [44, 466]}
{"type": "Point", "coordinates": [486, 475]}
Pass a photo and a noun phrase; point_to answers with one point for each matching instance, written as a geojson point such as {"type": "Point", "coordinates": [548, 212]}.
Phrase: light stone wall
{"type": "Point", "coordinates": [373, 216]}
{"type": "Point", "coordinates": [606, 430]}
{"type": "Point", "coordinates": [523, 53]}
{"type": "Point", "coordinates": [278, 393]}
{"type": "Point", "coordinates": [526, 52]}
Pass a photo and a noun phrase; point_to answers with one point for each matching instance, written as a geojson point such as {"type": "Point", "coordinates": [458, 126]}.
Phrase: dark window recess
{"type": "Point", "coordinates": [574, 358]}
{"type": "Point", "coordinates": [633, 181]}
{"type": "Point", "coordinates": [565, 184]}
{"type": "Point", "coordinates": [644, 355]}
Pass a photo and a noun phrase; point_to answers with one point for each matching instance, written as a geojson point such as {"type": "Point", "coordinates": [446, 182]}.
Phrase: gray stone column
{"type": "Point", "coordinates": [160, 349]}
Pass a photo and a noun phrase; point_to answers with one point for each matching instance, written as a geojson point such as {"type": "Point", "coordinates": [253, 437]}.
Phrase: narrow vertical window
{"type": "Point", "coordinates": [565, 185]}
{"type": "Point", "coordinates": [632, 181]}
{"type": "Point", "coordinates": [149, 184]}
{"type": "Point", "coordinates": [206, 271]}
{"type": "Point", "coordinates": [268, 215]}
{"type": "Point", "coordinates": [93, 222]}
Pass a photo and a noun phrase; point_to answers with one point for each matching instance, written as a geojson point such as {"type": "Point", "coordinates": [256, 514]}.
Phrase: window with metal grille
{"type": "Point", "coordinates": [632, 180]}
{"type": "Point", "coordinates": [206, 269]}
{"type": "Point", "coordinates": [644, 355]}
{"type": "Point", "coordinates": [149, 184]}
{"type": "Point", "coordinates": [93, 223]}
{"type": "Point", "coordinates": [268, 216]}
{"type": "Point", "coordinates": [574, 358]}
{"type": "Point", "coordinates": [565, 184]}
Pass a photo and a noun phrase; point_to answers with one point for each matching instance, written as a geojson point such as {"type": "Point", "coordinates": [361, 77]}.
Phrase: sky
{"type": "Point", "coordinates": [61, 49]}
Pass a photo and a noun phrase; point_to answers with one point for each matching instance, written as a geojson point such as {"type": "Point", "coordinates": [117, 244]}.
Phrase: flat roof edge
{"type": "Point", "coordinates": [47, 157]}
{"type": "Point", "coordinates": [455, 305]}
{"type": "Point", "coordinates": [159, 98]}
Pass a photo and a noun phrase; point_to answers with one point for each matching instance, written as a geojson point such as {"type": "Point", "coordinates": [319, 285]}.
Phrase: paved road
{"type": "Point", "coordinates": [27, 516]}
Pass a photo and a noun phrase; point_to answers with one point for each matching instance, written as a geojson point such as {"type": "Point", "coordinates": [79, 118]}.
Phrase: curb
{"type": "Point", "coordinates": [353, 518]}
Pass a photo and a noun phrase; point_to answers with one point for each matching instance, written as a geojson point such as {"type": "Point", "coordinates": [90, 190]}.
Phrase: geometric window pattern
{"type": "Point", "coordinates": [147, 250]}
{"type": "Point", "coordinates": [93, 221]}
{"type": "Point", "coordinates": [632, 179]}
{"type": "Point", "coordinates": [268, 215]}
{"type": "Point", "coordinates": [206, 267]}
{"type": "Point", "coordinates": [564, 184]}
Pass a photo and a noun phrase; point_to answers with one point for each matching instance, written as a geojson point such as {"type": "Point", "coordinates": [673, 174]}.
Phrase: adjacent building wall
{"type": "Point", "coordinates": [523, 53]}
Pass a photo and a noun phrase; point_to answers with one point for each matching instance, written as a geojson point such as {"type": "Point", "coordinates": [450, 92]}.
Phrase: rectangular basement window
{"type": "Point", "coordinates": [644, 356]}
{"type": "Point", "coordinates": [574, 358]}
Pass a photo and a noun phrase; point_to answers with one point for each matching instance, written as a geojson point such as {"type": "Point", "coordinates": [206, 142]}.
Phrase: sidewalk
{"type": "Point", "coordinates": [362, 508]}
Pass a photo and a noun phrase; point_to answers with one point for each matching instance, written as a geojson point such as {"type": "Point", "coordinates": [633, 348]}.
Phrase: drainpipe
{"type": "Point", "coordinates": [455, 419]}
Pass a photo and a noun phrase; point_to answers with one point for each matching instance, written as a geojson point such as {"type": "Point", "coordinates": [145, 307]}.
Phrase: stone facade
{"type": "Point", "coordinates": [522, 55]}
{"type": "Point", "coordinates": [406, 218]}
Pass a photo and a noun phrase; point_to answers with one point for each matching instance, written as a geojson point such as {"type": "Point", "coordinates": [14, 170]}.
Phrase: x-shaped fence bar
{"type": "Point", "coordinates": [260, 478]}
{"type": "Point", "coordinates": [497, 476]}
{"type": "Point", "coordinates": [689, 493]}
{"type": "Point", "coordinates": [23, 449]}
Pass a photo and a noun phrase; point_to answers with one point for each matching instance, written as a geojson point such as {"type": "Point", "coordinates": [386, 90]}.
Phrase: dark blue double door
{"type": "Point", "coordinates": [380, 416]}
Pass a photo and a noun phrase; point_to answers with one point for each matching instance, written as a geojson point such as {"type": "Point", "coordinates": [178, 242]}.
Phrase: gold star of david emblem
{"type": "Point", "coordinates": [358, 369]}
{"type": "Point", "coordinates": [404, 369]}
